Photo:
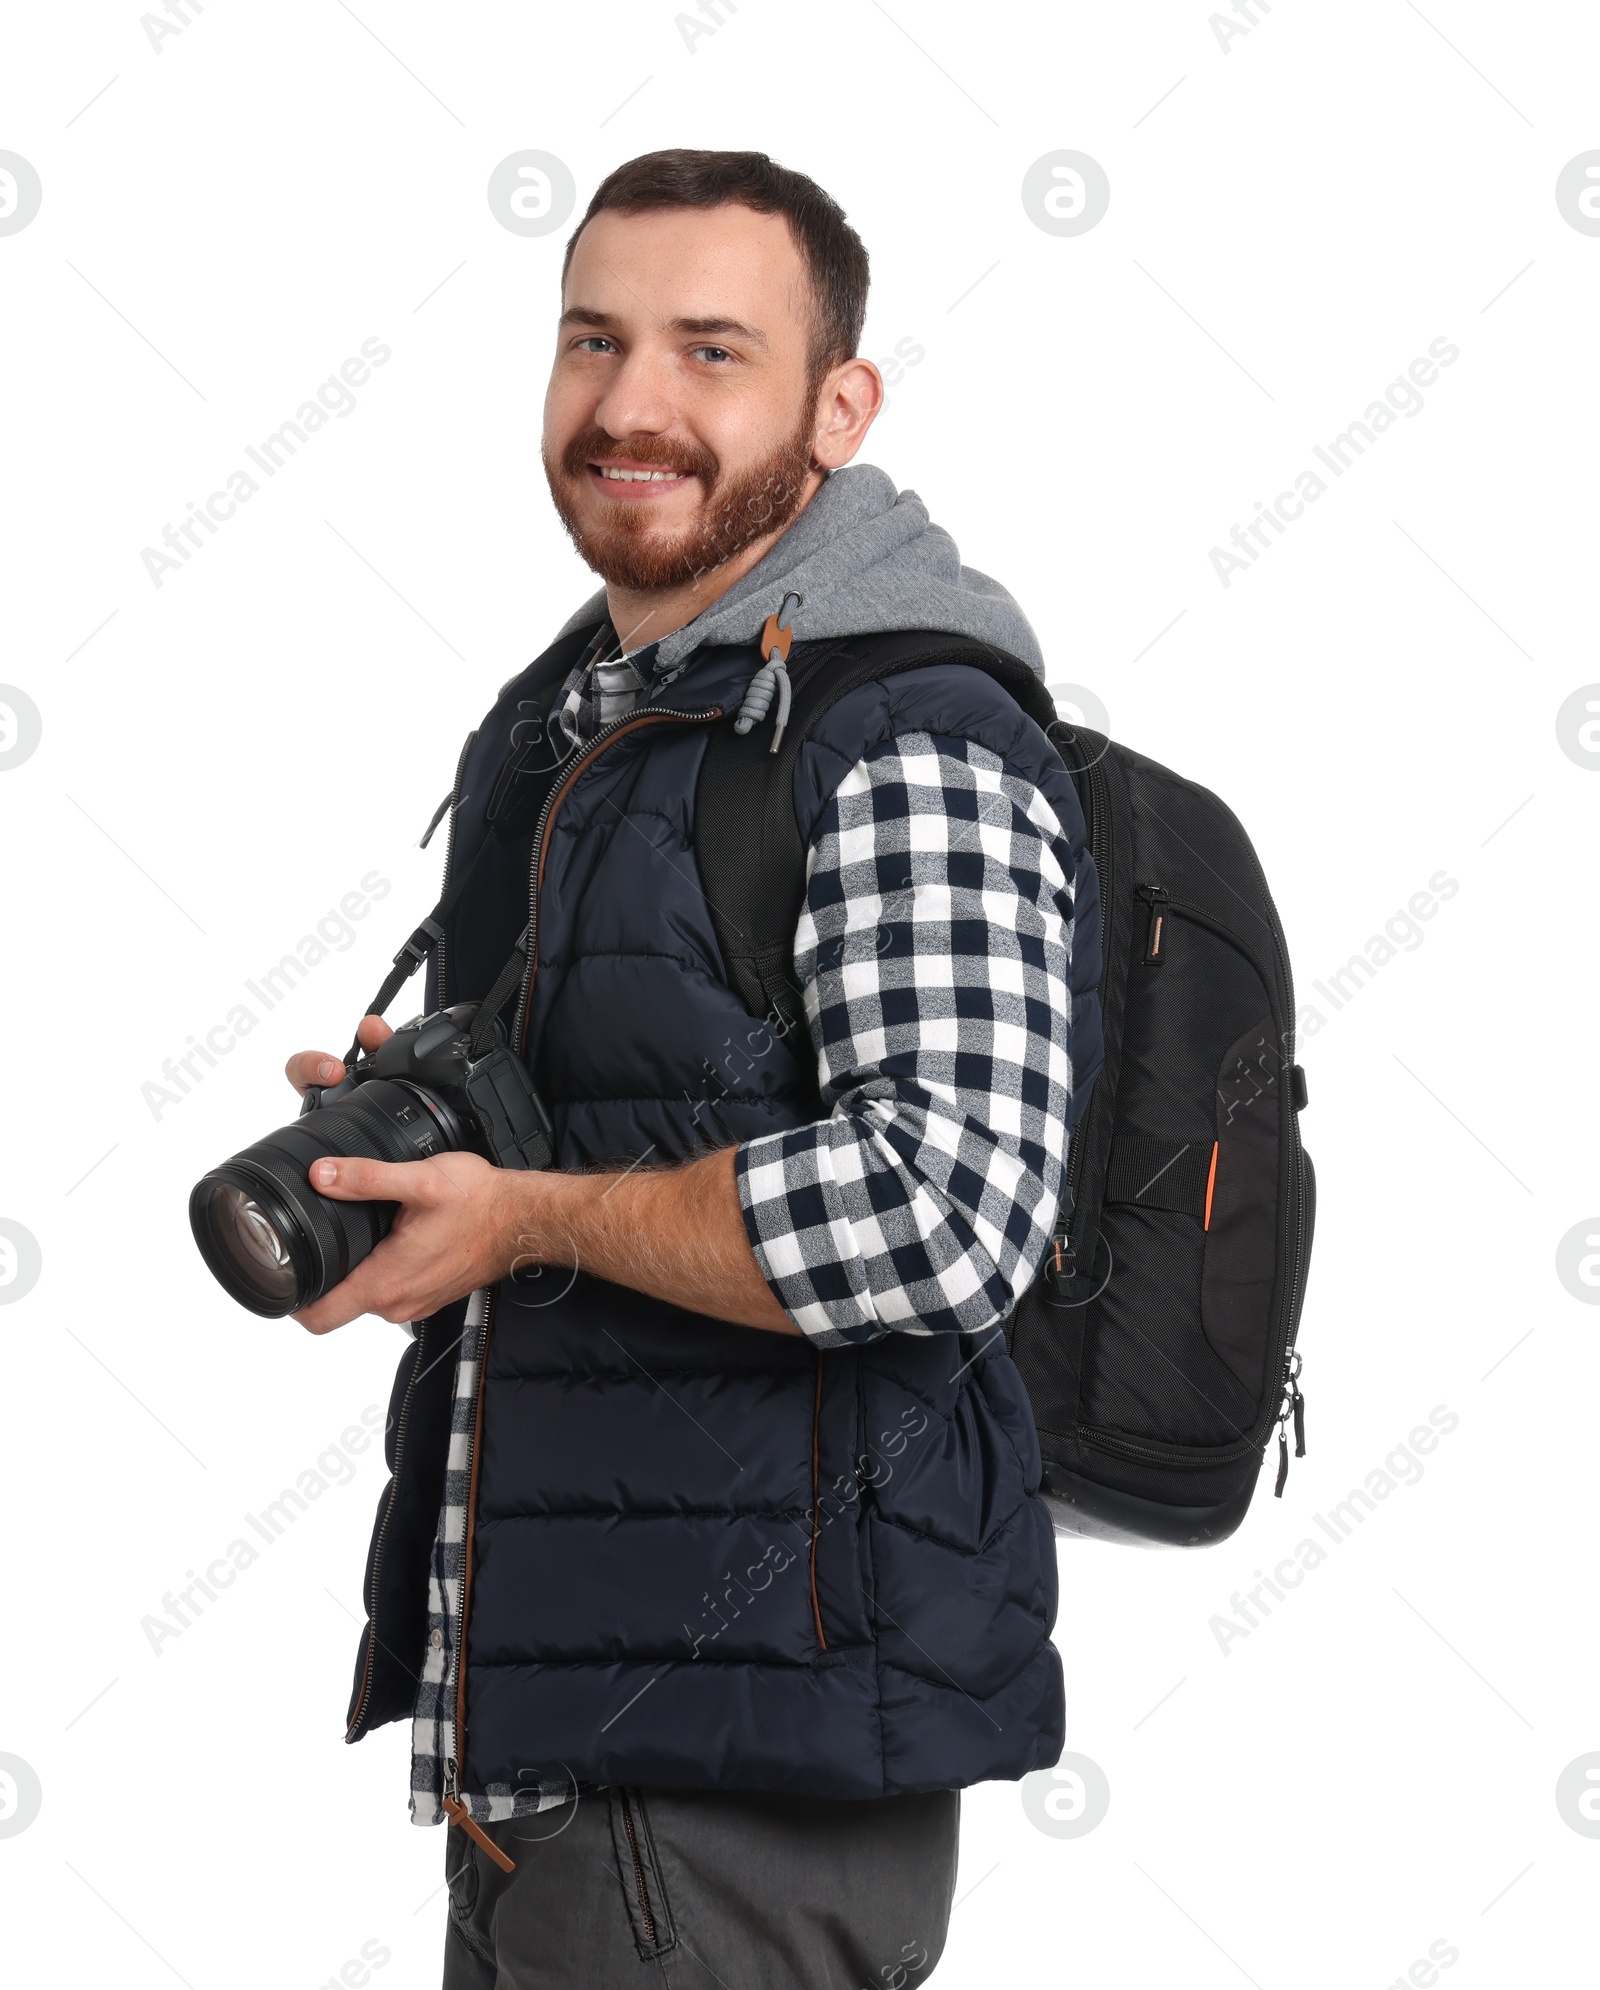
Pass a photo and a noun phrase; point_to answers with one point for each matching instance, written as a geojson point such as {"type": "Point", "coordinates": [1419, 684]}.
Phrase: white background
{"type": "Point", "coordinates": [1372, 1769]}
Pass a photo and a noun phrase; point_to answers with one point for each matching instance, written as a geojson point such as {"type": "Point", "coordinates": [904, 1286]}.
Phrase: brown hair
{"type": "Point", "coordinates": [835, 258]}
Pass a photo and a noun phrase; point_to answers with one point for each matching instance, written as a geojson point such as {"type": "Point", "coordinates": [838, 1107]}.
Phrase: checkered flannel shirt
{"type": "Point", "coordinates": [932, 956]}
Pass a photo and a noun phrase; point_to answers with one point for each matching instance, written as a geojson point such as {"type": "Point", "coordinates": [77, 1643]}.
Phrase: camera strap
{"type": "Point", "coordinates": [416, 949]}
{"type": "Point", "coordinates": [515, 794]}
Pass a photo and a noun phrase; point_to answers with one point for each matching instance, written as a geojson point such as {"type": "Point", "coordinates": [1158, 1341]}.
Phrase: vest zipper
{"type": "Point", "coordinates": [454, 1804]}
{"type": "Point", "coordinates": [583, 759]}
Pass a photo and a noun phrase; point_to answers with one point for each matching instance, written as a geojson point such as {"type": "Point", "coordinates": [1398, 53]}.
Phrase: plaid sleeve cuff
{"type": "Point", "coordinates": [933, 955]}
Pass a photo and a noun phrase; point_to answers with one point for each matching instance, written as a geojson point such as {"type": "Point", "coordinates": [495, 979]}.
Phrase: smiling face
{"type": "Point", "coordinates": [684, 425]}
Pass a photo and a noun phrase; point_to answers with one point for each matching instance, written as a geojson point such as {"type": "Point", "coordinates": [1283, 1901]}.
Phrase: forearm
{"type": "Point", "coordinates": [677, 1233]}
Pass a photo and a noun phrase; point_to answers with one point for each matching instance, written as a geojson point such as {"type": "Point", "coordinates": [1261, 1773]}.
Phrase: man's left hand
{"type": "Point", "coordinates": [457, 1228]}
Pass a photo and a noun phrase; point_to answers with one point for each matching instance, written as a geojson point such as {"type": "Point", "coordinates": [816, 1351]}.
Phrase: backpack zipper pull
{"type": "Point", "coordinates": [1060, 1258]}
{"type": "Point", "coordinates": [1294, 1407]}
{"type": "Point", "coordinates": [1156, 897]}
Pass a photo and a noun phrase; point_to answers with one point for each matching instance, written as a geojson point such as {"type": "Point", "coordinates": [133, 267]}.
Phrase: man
{"type": "Point", "coordinates": [712, 1566]}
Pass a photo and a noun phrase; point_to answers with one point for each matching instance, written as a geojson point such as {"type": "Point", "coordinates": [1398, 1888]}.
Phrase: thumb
{"type": "Point", "coordinates": [355, 1178]}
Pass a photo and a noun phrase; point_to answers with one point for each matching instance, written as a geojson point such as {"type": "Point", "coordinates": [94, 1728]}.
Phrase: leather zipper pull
{"type": "Point", "coordinates": [1155, 896]}
{"type": "Point", "coordinates": [458, 1813]}
{"type": "Point", "coordinates": [1283, 1471]}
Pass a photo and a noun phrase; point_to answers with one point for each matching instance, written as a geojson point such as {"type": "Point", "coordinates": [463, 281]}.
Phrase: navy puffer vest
{"type": "Point", "coordinates": [705, 1556]}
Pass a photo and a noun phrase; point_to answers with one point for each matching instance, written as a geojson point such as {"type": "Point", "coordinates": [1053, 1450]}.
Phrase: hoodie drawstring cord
{"type": "Point", "coordinates": [773, 677]}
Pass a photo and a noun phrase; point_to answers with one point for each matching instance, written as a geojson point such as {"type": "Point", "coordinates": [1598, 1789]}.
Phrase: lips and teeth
{"type": "Point", "coordinates": [639, 476]}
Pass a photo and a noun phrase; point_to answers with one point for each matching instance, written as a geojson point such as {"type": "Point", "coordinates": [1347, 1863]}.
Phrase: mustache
{"type": "Point", "coordinates": [692, 458]}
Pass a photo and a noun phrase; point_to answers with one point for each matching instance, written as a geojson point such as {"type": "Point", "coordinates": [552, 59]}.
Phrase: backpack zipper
{"type": "Point", "coordinates": [1165, 1454]}
{"type": "Point", "coordinates": [1156, 897]}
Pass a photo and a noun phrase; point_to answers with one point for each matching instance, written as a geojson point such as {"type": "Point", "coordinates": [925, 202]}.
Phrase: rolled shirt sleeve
{"type": "Point", "coordinates": [933, 956]}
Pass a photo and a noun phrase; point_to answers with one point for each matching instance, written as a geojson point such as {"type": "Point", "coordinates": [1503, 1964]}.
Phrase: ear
{"type": "Point", "coordinates": [847, 405]}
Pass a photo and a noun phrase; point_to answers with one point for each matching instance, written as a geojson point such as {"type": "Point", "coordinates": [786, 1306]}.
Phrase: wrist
{"type": "Point", "coordinates": [533, 1231]}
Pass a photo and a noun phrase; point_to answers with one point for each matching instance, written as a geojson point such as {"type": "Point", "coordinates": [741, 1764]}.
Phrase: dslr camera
{"type": "Point", "coordinates": [437, 1086]}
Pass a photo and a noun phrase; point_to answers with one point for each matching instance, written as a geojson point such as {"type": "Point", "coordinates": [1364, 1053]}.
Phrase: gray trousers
{"type": "Point", "coordinates": [653, 1887]}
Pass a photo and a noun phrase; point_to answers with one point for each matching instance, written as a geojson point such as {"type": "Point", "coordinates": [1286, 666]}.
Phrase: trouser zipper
{"type": "Point", "coordinates": [639, 1887]}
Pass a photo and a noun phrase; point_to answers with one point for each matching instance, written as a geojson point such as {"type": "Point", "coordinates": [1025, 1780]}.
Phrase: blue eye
{"type": "Point", "coordinates": [594, 342]}
{"type": "Point", "coordinates": [714, 351]}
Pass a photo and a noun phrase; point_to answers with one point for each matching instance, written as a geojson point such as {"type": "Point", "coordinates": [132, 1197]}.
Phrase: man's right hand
{"type": "Point", "coordinates": [315, 1067]}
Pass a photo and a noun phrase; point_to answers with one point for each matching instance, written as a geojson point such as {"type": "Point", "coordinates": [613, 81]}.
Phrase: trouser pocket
{"type": "Point", "coordinates": [649, 1911]}
{"type": "Point", "coordinates": [470, 1928]}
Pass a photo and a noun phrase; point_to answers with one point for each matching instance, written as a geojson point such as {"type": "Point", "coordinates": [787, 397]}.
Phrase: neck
{"type": "Point", "coordinates": [642, 616]}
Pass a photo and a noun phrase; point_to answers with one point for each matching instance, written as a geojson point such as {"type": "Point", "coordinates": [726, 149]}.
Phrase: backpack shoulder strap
{"type": "Point", "coordinates": [747, 843]}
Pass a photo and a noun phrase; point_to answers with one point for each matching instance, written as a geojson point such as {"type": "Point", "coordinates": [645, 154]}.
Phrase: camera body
{"type": "Point", "coordinates": [487, 1104]}
{"type": "Point", "coordinates": [276, 1245]}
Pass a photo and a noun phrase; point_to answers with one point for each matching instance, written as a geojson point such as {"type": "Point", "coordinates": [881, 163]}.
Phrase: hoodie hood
{"type": "Point", "coordinates": [865, 559]}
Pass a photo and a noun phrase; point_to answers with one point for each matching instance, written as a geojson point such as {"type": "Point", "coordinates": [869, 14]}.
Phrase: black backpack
{"type": "Point", "coordinates": [1157, 1343]}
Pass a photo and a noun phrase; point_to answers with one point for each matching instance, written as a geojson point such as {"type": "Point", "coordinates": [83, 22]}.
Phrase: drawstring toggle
{"type": "Point", "coordinates": [772, 679]}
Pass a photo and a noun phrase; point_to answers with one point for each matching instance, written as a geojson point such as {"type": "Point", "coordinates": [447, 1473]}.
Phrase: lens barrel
{"type": "Point", "coordinates": [269, 1239]}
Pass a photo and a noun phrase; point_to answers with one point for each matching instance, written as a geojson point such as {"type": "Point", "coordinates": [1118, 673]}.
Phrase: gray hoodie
{"type": "Point", "coordinates": [864, 558]}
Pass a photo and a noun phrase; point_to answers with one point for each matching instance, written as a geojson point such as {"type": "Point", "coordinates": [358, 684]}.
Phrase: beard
{"type": "Point", "coordinates": [630, 550]}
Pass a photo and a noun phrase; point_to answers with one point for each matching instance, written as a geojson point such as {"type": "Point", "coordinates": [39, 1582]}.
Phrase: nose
{"type": "Point", "coordinates": [638, 398]}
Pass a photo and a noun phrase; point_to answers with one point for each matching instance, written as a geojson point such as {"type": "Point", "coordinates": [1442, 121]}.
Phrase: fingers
{"type": "Point", "coordinates": [343, 1304]}
{"type": "Point", "coordinates": [320, 1067]}
{"type": "Point", "coordinates": [313, 1067]}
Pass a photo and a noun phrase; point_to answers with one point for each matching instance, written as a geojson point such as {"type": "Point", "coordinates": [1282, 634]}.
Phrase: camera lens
{"type": "Point", "coordinates": [246, 1235]}
{"type": "Point", "coordinates": [268, 1238]}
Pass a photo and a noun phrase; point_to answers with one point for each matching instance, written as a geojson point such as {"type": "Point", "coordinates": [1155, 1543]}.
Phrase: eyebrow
{"type": "Point", "coordinates": [578, 314]}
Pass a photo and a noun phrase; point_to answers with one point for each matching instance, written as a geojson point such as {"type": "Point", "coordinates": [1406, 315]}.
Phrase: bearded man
{"type": "Point", "coordinates": [713, 1566]}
